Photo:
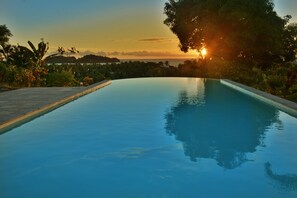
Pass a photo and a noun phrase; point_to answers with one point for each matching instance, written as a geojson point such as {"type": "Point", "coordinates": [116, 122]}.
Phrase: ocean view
{"type": "Point", "coordinates": [172, 62]}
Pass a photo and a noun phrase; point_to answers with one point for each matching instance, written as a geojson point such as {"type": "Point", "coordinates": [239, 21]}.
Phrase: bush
{"type": "Point", "coordinates": [3, 72]}
{"type": "Point", "coordinates": [275, 82]}
{"type": "Point", "coordinates": [61, 79]}
{"type": "Point", "coordinates": [88, 81]}
{"type": "Point", "coordinates": [24, 77]}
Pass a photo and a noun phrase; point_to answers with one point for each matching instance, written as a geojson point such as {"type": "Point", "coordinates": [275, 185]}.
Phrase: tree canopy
{"type": "Point", "coordinates": [4, 35]}
{"type": "Point", "coordinates": [290, 41]}
{"type": "Point", "coordinates": [229, 29]}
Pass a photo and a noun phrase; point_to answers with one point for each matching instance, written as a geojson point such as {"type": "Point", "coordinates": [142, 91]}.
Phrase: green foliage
{"type": "Point", "coordinates": [20, 56]}
{"type": "Point", "coordinates": [192, 68]}
{"type": "Point", "coordinates": [7, 74]}
{"type": "Point", "coordinates": [24, 77]}
{"type": "Point", "coordinates": [275, 83]}
{"type": "Point", "coordinates": [91, 71]}
{"type": "Point", "coordinates": [4, 38]}
{"type": "Point", "coordinates": [61, 79]}
{"type": "Point", "coordinates": [2, 70]}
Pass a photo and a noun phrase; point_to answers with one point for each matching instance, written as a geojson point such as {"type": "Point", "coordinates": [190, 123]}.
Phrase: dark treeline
{"type": "Point", "coordinates": [279, 79]}
{"type": "Point", "coordinates": [85, 59]}
{"type": "Point", "coordinates": [88, 74]}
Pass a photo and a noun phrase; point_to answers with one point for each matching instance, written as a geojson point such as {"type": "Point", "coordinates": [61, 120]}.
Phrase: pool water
{"type": "Point", "coordinates": [154, 137]}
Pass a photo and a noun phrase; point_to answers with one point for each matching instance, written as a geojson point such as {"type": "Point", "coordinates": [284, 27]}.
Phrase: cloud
{"type": "Point", "coordinates": [148, 54]}
{"type": "Point", "coordinates": [114, 53]}
{"type": "Point", "coordinates": [87, 52]}
{"type": "Point", "coordinates": [138, 54]}
{"type": "Point", "coordinates": [155, 40]}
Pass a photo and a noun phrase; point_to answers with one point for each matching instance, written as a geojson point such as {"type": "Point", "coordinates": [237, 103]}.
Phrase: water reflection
{"type": "Point", "coordinates": [217, 123]}
{"type": "Point", "coordinates": [288, 181]}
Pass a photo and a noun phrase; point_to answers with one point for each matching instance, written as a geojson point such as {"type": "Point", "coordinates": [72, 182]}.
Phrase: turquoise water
{"type": "Point", "coordinates": [158, 137]}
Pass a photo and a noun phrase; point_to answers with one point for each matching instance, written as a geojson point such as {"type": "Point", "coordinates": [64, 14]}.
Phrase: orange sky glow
{"type": "Point", "coordinates": [130, 29]}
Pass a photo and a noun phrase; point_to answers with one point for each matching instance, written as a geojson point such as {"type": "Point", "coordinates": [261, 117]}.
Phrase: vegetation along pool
{"type": "Point", "coordinates": [154, 137]}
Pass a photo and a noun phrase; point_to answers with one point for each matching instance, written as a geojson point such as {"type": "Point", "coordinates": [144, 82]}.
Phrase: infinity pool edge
{"type": "Point", "coordinates": [280, 103]}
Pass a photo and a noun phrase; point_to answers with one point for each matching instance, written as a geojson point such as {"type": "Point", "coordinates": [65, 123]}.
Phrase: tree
{"type": "Point", "coordinates": [290, 42]}
{"type": "Point", "coordinates": [4, 35]}
{"type": "Point", "coordinates": [22, 56]}
{"type": "Point", "coordinates": [27, 63]}
{"type": "Point", "coordinates": [229, 29]}
{"type": "Point", "coordinates": [37, 54]}
{"type": "Point", "coordinates": [4, 38]}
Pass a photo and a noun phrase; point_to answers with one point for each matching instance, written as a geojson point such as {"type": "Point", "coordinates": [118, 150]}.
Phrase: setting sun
{"type": "Point", "coordinates": [204, 52]}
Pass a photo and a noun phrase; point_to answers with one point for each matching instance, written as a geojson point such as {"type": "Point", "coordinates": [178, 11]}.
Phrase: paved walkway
{"type": "Point", "coordinates": [18, 106]}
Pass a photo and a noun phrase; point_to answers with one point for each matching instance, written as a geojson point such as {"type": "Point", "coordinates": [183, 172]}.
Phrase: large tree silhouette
{"type": "Point", "coordinates": [229, 29]}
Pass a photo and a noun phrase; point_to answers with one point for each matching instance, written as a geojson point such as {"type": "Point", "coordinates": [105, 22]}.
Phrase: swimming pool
{"type": "Point", "coordinates": [154, 137]}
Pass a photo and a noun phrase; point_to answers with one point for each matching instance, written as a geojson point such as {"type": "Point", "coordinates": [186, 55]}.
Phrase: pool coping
{"type": "Point", "coordinates": [34, 113]}
{"type": "Point", "coordinates": [280, 103]}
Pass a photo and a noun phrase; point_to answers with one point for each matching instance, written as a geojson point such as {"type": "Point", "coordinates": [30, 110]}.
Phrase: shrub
{"type": "Point", "coordinates": [88, 81]}
{"type": "Point", "coordinates": [24, 77]}
{"type": "Point", "coordinates": [61, 79]}
{"type": "Point", "coordinates": [3, 72]}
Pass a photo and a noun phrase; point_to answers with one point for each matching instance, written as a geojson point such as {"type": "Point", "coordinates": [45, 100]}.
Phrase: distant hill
{"type": "Point", "coordinates": [85, 59]}
{"type": "Point", "coordinates": [97, 59]}
{"type": "Point", "coordinates": [60, 59]}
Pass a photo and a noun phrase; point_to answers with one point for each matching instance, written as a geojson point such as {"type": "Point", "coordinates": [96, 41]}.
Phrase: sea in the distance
{"type": "Point", "coordinates": [171, 62]}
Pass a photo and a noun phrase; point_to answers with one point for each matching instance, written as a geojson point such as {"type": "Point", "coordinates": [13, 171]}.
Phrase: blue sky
{"type": "Point", "coordinates": [106, 27]}
{"type": "Point", "coordinates": [284, 7]}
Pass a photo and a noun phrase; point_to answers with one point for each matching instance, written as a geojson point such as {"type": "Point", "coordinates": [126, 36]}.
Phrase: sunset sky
{"type": "Point", "coordinates": [116, 28]}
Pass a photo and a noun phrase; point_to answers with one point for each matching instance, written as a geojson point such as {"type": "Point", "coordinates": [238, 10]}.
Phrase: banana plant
{"type": "Point", "coordinates": [19, 56]}
{"type": "Point", "coordinates": [25, 57]}
{"type": "Point", "coordinates": [38, 53]}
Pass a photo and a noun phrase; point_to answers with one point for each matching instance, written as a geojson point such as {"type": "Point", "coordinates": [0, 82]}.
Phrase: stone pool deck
{"type": "Point", "coordinates": [19, 106]}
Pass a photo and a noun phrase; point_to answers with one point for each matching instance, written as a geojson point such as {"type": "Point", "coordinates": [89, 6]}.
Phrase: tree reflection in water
{"type": "Point", "coordinates": [220, 124]}
{"type": "Point", "coordinates": [288, 181]}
